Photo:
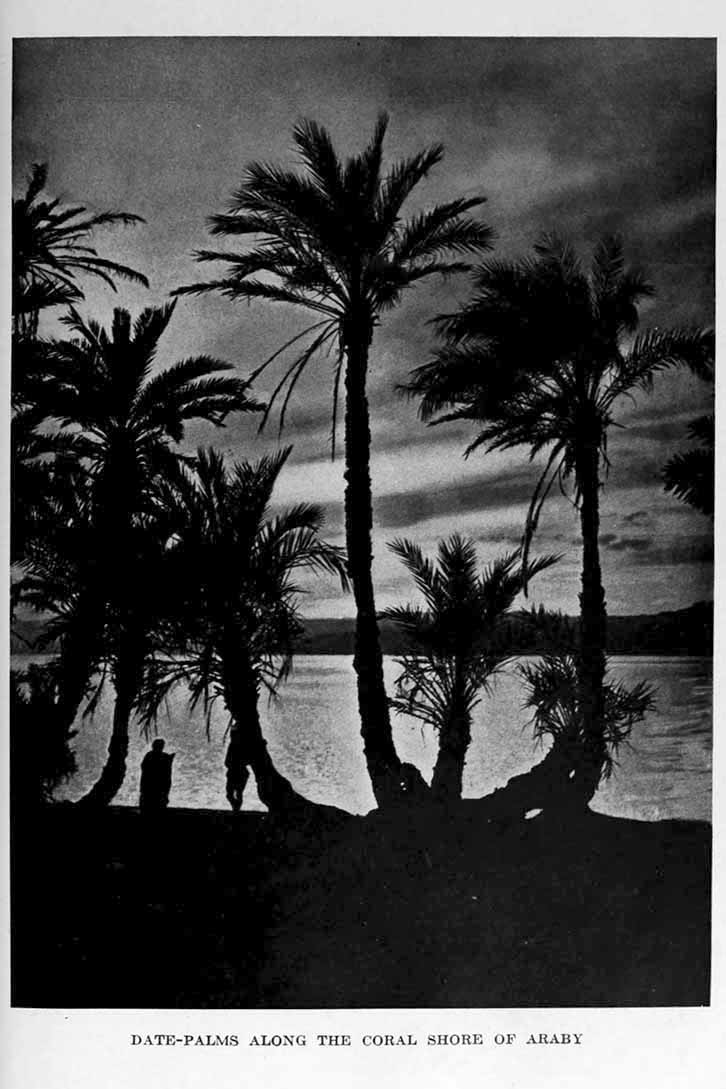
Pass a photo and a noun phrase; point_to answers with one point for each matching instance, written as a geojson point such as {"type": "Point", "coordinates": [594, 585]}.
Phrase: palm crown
{"type": "Point", "coordinates": [453, 641]}
{"type": "Point", "coordinates": [123, 418]}
{"type": "Point", "coordinates": [538, 355]}
{"type": "Point", "coordinates": [331, 239]}
{"type": "Point", "coordinates": [234, 566]}
{"type": "Point", "coordinates": [51, 249]}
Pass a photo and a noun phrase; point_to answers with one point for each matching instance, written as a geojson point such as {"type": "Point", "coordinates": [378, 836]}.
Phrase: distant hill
{"type": "Point", "coordinates": [681, 631]}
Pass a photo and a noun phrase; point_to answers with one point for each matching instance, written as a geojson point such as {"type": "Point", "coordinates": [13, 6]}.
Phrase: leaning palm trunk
{"type": "Point", "coordinates": [548, 786]}
{"type": "Point", "coordinates": [128, 677]}
{"type": "Point", "coordinates": [77, 661]}
{"type": "Point", "coordinates": [75, 670]}
{"type": "Point", "coordinates": [381, 758]}
{"type": "Point", "coordinates": [110, 781]}
{"type": "Point", "coordinates": [593, 620]}
{"type": "Point", "coordinates": [241, 696]}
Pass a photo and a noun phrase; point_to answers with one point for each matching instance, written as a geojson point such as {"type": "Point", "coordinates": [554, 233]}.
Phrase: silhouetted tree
{"type": "Point", "coordinates": [59, 577]}
{"type": "Point", "coordinates": [455, 646]}
{"type": "Point", "coordinates": [235, 618]}
{"type": "Point", "coordinates": [51, 254]}
{"type": "Point", "coordinates": [553, 697]}
{"type": "Point", "coordinates": [538, 358]}
{"type": "Point", "coordinates": [40, 754]}
{"type": "Point", "coordinates": [44, 468]}
{"type": "Point", "coordinates": [51, 248]}
{"type": "Point", "coordinates": [331, 240]}
{"type": "Point", "coordinates": [123, 422]}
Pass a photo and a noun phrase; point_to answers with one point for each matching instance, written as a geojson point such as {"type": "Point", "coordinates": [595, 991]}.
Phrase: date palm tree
{"type": "Point", "coordinates": [330, 239]}
{"type": "Point", "coordinates": [454, 643]}
{"type": "Point", "coordinates": [51, 256]}
{"type": "Point", "coordinates": [51, 249]}
{"type": "Point", "coordinates": [122, 422]}
{"type": "Point", "coordinates": [235, 617]}
{"type": "Point", "coordinates": [540, 357]}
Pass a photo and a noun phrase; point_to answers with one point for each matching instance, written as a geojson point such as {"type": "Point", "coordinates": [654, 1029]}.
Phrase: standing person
{"type": "Point", "coordinates": [238, 774]}
{"type": "Point", "coordinates": [155, 778]}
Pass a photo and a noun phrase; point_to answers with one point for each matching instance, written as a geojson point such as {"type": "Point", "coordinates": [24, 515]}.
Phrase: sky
{"type": "Point", "coordinates": [578, 136]}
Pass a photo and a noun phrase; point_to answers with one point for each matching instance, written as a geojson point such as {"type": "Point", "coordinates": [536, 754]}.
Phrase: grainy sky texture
{"type": "Point", "coordinates": [580, 136]}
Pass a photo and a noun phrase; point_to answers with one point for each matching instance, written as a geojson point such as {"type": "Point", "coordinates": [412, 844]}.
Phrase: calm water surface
{"type": "Point", "coordinates": [312, 732]}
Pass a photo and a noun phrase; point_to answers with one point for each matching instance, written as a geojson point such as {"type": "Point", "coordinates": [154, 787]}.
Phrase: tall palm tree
{"type": "Point", "coordinates": [235, 616]}
{"type": "Point", "coordinates": [454, 644]}
{"type": "Point", "coordinates": [540, 357]}
{"type": "Point", "coordinates": [330, 239]}
{"type": "Point", "coordinates": [123, 423]}
{"type": "Point", "coordinates": [51, 249]}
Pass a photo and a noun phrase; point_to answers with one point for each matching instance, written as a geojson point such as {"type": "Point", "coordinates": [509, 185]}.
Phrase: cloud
{"type": "Point", "coordinates": [620, 544]}
{"type": "Point", "coordinates": [656, 551]}
{"type": "Point", "coordinates": [580, 135]}
{"type": "Point", "coordinates": [511, 491]}
{"type": "Point", "coordinates": [636, 518]}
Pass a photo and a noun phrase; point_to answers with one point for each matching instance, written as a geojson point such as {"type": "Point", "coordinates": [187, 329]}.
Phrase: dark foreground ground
{"type": "Point", "coordinates": [205, 909]}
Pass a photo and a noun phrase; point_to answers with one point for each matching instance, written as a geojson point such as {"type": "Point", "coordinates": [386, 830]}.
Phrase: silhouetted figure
{"type": "Point", "coordinates": [235, 762]}
{"type": "Point", "coordinates": [155, 778]}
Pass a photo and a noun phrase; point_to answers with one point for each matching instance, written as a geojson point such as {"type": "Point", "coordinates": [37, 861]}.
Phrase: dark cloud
{"type": "Point", "coordinates": [407, 508]}
{"type": "Point", "coordinates": [635, 518]}
{"type": "Point", "coordinates": [653, 551]}
{"type": "Point", "coordinates": [622, 544]}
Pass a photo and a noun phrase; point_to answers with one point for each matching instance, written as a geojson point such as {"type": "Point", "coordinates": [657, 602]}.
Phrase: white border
{"type": "Point", "coordinates": [41, 1049]}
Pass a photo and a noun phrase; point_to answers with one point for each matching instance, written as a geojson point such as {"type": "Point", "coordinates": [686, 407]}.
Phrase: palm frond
{"type": "Point", "coordinates": [657, 350]}
{"type": "Point", "coordinates": [443, 229]}
{"type": "Point", "coordinates": [319, 156]}
{"type": "Point", "coordinates": [690, 476]}
{"type": "Point", "coordinates": [553, 686]}
{"type": "Point", "coordinates": [453, 645]}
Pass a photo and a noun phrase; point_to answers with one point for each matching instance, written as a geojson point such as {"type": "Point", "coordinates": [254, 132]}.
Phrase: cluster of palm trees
{"type": "Point", "coordinates": [160, 568]}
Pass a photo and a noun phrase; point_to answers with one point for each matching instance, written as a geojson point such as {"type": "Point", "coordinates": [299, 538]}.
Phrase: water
{"type": "Point", "coordinates": [313, 737]}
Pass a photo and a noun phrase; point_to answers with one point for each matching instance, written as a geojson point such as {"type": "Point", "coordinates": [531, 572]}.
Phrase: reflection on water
{"type": "Point", "coordinates": [313, 738]}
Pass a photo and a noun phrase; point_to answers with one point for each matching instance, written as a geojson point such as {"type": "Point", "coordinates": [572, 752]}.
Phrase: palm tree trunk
{"type": "Point", "coordinates": [454, 739]}
{"type": "Point", "coordinates": [593, 624]}
{"type": "Point", "coordinates": [548, 786]}
{"type": "Point", "coordinates": [128, 677]}
{"type": "Point", "coordinates": [381, 759]}
{"type": "Point", "coordinates": [78, 659]}
{"type": "Point", "coordinates": [241, 698]}
{"type": "Point", "coordinates": [110, 781]}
